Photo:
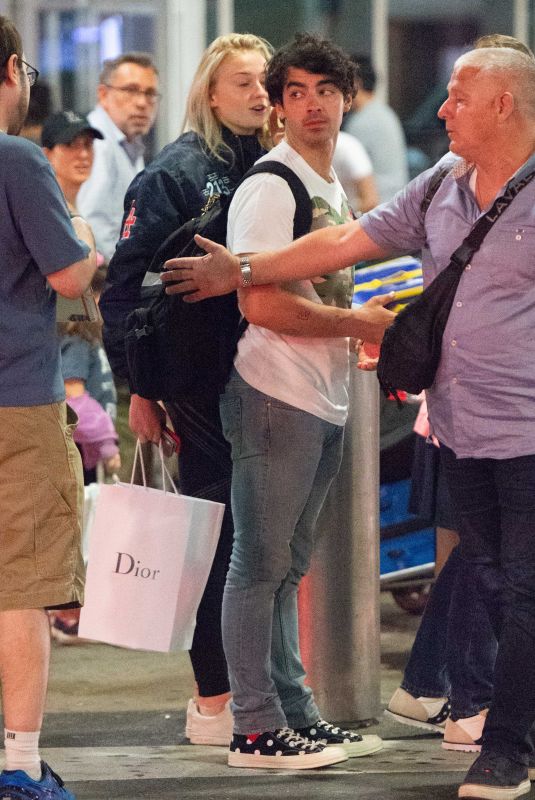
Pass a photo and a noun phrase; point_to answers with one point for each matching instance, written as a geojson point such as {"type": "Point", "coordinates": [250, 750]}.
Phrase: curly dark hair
{"type": "Point", "coordinates": [315, 55]}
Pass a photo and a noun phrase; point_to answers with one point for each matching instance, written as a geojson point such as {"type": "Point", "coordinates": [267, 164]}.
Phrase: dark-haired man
{"type": "Point", "coordinates": [283, 413]}
{"type": "Point", "coordinates": [41, 488]}
{"type": "Point", "coordinates": [127, 104]}
{"type": "Point", "coordinates": [378, 128]}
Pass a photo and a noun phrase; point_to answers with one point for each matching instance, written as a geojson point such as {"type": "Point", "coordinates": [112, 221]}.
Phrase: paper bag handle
{"type": "Point", "coordinates": [165, 472]}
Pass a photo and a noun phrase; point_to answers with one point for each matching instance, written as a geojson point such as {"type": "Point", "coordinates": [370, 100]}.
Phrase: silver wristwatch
{"type": "Point", "coordinates": [245, 269]}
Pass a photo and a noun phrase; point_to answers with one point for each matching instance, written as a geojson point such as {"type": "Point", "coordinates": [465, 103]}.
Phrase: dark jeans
{"type": "Point", "coordinates": [494, 501]}
{"type": "Point", "coordinates": [455, 648]}
{"type": "Point", "coordinates": [205, 471]}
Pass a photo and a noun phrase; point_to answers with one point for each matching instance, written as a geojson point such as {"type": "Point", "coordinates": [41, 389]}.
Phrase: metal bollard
{"type": "Point", "coordinates": [339, 599]}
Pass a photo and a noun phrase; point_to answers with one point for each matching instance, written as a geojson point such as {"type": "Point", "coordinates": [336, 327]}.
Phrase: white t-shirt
{"type": "Point", "coordinates": [351, 163]}
{"type": "Point", "coordinates": [308, 373]}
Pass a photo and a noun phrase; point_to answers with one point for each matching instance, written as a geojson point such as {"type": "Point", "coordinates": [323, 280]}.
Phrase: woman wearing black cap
{"type": "Point", "coordinates": [67, 141]}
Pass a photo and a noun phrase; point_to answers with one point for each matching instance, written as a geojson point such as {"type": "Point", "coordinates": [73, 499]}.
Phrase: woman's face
{"type": "Point", "coordinates": [238, 96]}
{"type": "Point", "coordinates": [72, 162]}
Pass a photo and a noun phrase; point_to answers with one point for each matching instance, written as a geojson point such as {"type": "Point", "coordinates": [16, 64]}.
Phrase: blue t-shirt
{"type": "Point", "coordinates": [36, 239]}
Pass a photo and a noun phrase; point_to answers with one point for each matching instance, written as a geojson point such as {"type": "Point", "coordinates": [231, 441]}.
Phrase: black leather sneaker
{"type": "Point", "coordinates": [353, 743]}
{"type": "Point", "coordinates": [495, 777]}
{"type": "Point", "coordinates": [282, 749]}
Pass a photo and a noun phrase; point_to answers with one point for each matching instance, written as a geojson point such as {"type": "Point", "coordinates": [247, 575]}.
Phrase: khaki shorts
{"type": "Point", "coordinates": [41, 503]}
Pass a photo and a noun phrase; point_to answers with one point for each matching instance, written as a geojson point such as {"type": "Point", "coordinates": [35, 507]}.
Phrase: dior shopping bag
{"type": "Point", "coordinates": [150, 554]}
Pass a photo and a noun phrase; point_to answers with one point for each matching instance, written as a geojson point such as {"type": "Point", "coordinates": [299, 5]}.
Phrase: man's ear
{"type": "Point", "coordinates": [280, 111]}
{"type": "Point", "coordinates": [12, 69]}
{"type": "Point", "coordinates": [102, 93]}
{"type": "Point", "coordinates": [506, 105]}
{"type": "Point", "coordinates": [348, 101]}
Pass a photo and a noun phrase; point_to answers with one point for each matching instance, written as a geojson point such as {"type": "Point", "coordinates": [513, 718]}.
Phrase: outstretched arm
{"type": "Point", "coordinates": [292, 315]}
{"type": "Point", "coordinates": [218, 272]}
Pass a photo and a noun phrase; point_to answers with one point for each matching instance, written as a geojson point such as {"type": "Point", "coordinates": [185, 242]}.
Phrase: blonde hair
{"type": "Point", "coordinates": [200, 116]}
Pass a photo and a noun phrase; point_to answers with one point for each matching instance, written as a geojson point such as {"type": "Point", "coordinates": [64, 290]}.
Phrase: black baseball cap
{"type": "Point", "coordinates": [63, 127]}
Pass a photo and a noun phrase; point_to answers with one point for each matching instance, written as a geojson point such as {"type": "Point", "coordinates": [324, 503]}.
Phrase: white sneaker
{"type": "Point", "coordinates": [214, 730]}
{"type": "Point", "coordinates": [465, 734]}
{"type": "Point", "coordinates": [429, 713]}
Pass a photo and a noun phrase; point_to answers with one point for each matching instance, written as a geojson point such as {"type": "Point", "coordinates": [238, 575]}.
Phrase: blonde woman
{"type": "Point", "coordinates": [227, 114]}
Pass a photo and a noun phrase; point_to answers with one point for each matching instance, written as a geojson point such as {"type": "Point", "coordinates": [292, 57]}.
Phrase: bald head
{"type": "Point", "coordinates": [508, 69]}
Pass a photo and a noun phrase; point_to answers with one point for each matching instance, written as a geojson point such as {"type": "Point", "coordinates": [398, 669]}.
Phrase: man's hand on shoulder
{"type": "Point", "coordinates": [199, 277]}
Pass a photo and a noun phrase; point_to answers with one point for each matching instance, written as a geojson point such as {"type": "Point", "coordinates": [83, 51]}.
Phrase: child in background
{"type": "Point", "coordinates": [90, 391]}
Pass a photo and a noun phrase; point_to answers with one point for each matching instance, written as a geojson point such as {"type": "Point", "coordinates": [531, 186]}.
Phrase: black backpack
{"type": "Point", "coordinates": [176, 349]}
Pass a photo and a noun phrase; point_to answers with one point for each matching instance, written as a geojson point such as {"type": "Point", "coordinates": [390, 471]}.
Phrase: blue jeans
{"type": "Point", "coordinates": [284, 461]}
{"type": "Point", "coordinates": [454, 650]}
{"type": "Point", "coordinates": [494, 501]}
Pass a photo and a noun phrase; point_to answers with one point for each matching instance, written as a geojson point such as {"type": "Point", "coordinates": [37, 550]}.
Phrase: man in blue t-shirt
{"type": "Point", "coordinates": [43, 252]}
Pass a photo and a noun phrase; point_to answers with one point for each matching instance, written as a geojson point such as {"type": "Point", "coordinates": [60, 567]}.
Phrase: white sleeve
{"type": "Point", "coordinates": [351, 158]}
{"type": "Point", "coordinates": [261, 215]}
{"type": "Point", "coordinates": [99, 202]}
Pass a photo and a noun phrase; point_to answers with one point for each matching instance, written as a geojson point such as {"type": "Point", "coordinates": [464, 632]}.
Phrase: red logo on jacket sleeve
{"type": "Point", "coordinates": [129, 222]}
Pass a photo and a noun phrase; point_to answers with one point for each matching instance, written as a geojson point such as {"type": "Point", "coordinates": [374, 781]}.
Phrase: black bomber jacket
{"type": "Point", "coordinates": [171, 190]}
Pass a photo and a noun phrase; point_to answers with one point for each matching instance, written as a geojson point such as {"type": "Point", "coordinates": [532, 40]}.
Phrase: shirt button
{"type": "Point", "coordinates": [454, 342]}
{"type": "Point", "coordinates": [468, 266]}
{"type": "Point", "coordinates": [459, 304]}
{"type": "Point", "coordinates": [455, 380]}
{"type": "Point", "coordinates": [518, 237]}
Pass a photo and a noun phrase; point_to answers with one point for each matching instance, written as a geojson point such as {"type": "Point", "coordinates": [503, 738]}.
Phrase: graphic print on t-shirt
{"type": "Point", "coordinates": [333, 288]}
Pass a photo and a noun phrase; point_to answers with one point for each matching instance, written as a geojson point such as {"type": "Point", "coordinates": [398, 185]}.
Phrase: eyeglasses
{"type": "Point", "coordinates": [150, 95]}
{"type": "Point", "coordinates": [31, 72]}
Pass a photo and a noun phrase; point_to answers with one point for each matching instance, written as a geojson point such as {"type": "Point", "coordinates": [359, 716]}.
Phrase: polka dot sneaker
{"type": "Point", "coordinates": [281, 749]}
{"type": "Point", "coordinates": [353, 743]}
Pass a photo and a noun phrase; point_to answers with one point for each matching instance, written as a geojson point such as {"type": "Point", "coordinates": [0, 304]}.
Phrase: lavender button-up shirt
{"type": "Point", "coordinates": [482, 403]}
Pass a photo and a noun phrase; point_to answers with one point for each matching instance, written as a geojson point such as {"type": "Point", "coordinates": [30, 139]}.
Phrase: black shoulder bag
{"type": "Point", "coordinates": [411, 347]}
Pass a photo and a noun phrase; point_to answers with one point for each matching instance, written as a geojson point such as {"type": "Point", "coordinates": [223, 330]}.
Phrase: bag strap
{"type": "Point", "coordinates": [303, 205]}
{"type": "Point", "coordinates": [460, 258]}
{"type": "Point", "coordinates": [433, 187]}
{"type": "Point", "coordinates": [462, 255]}
{"type": "Point", "coordinates": [165, 472]}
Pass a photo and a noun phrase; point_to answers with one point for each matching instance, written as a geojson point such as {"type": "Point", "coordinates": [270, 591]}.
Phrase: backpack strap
{"type": "Point", "coordinates": [303, 205]}
{"type": "Point", "coordinates": [433, 187]}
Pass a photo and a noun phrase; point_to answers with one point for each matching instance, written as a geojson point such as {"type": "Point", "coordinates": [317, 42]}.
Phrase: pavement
{"type": "Point", "coordinates": [115, 729]}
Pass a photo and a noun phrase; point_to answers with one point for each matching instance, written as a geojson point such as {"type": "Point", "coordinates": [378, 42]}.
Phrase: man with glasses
{"type": "Point", "coordinates": [41, 488]}
{"type": "Point", "coordinates": [127, 104]}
